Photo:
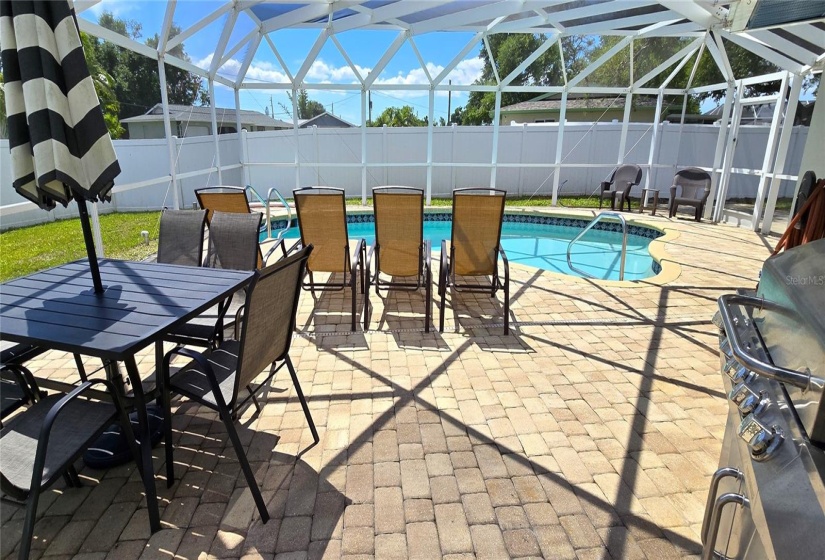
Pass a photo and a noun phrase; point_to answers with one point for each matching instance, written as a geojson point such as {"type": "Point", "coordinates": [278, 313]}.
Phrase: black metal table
{"type": "Point", "coordinates": [58, 309]}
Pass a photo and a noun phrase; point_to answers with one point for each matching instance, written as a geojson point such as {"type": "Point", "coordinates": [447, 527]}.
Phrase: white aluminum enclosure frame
{"type": "Point", "coordinates": [704, 20]}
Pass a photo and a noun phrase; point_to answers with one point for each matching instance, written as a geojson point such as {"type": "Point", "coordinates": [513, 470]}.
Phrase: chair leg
{"type": "Point", "coordinates": [301, 398]}
{"type": "Point", "coordinates": [354, 280]}
{"type": "Point", "coordinates": [247, 470]}
{"type": "Point", "coordinates": [428, 304]}
{"type": "Point", "coordinates": [28, 523]}
{"type": "Point", "coordinates": [442, 291]}
{"type": "Point", "coordinates": [166, 404]}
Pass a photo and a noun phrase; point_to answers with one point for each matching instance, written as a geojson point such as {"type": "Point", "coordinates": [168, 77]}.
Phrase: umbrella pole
{"type": "Point", "coordinates": [90, 244]}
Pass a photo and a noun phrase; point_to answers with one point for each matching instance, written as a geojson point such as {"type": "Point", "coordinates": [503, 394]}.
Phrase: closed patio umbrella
{"type": "Point", "coordinates": [60, 147]}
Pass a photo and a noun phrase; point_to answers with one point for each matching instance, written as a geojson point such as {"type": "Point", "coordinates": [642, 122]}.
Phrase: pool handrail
{"type": "Point", "coordinates": [283, 231]}
{"type": "Point", "coordinates": [589, 226]}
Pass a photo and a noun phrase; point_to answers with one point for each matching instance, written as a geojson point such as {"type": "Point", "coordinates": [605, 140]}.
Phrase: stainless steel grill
{"type": "Point", "coordinates": [767, 500]}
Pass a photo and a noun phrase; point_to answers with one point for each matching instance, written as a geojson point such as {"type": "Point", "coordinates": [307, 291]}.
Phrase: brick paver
{"type": "Point", "coordinates": [590, 432]}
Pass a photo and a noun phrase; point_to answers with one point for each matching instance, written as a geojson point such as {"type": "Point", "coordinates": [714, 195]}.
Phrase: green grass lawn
{"type": "Point", "coordinates": [29, 249]}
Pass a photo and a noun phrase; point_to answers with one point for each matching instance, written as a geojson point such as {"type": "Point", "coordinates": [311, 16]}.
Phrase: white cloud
{"type": "Point", "coordinates": [320, 71]}
{"type": "Point", "coordinates": [465, 72]}
{"type": "Point", "coordinates": [261, 71]}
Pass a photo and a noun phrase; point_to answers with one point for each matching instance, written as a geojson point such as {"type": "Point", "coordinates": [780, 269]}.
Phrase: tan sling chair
{"type": "Point", "coordinates": [225, 199]}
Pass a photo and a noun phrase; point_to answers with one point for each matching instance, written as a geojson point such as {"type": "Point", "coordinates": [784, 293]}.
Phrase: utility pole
{"type": "Point", "coordinates": [369, 104]}
{"type": "Point", "coordinates": [271, 108]}
{"type": "Point", "coordinates": [333, 108]}
{"type": "Point", "coordinates": [449, 99]}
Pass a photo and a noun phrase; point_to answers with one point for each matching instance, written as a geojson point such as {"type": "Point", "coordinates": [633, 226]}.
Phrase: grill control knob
{"type": "Point", "coordinates": [738, 374]}
{"type": "Point", "coordinates": [762, 440]}
{"type": "Point", "coordinates": [746, 399]}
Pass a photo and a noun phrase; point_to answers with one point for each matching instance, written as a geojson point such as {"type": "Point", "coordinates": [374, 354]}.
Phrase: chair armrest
{"type": "Point", "coordinates": [202, 362]}
{"type": "Point", "coordinates": [672, 192]}
{"type": "Point", "coordinates": [360, 254]}
{"type": "Point", "coordinates": [444, 256]}
{"type": "Point", "coordinates": [279, 243]}
{"type": "Point", "coordinates": [48, 422]}
{"type": "Point", "coordinates": [605, 185]}
{"type": "Point", "coordinates": [504, 261]}
{"type": "Point", "coordinates": [705, 195]}
{"type": "Point", "coordinates": [428, 254]}
{"type": "Point", "coordinates": [238, 315]}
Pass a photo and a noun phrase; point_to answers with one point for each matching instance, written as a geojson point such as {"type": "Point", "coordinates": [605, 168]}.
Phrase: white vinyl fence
{"type": "Point", "coordinates": [461, 157]}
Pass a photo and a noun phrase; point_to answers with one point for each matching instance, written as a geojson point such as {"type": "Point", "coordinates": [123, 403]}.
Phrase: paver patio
{"type": "Point", "coordinates": [590, 432]}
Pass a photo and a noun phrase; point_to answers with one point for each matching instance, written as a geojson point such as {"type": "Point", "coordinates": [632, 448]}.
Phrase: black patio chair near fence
{"type": "Point", "coordinates": [691, 187]}
{"type": "Point", "coordinates": [617, 187]}
{"type": "Point", "coordinates": [216, 377]}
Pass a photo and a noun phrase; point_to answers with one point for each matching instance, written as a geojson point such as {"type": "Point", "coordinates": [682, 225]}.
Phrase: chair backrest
{"type": "Point", "coordinates": [626, 175]}
{"type": "Point", "coordinates": [399, 229]}
{"type": "Point", "coordinates": [322, 219]}
{"type": "Point", "coordinates": [181, 237]}
{"type": "Point", "coordinates": [222, 199]}
{"type": "Point", "coordinates": [693, 182]}
{"type": "Point", "coordinates": [233, 241]}
{"type": "Point", "coordinates": [269, 316]}
{"type": "Point", "coordinates": [477, 217]}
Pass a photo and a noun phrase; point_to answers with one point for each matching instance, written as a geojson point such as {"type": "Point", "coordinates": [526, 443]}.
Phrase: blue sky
{"type": "Point", "coordinates": [363, 47]}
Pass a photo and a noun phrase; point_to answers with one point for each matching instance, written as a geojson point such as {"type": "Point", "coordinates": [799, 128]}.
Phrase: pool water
{"type": "Point", "coordinates": [544, 246]}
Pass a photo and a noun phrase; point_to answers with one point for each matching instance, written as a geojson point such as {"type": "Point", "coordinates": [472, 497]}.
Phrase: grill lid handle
{"type": "Point", "coordinates": [801, 379]}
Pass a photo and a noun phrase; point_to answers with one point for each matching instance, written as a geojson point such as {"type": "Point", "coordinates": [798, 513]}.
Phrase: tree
{"type": "Point", "coordinates": [394, 116]}
{"type": "Point", "coordinates": [509, 51]}
{"type": "Point", "coordinates": [744, 64]}
{"type": "Point", "coordinates": [103, 87]}
{"type": "Point", "coordinates": [136, 81]}
{"type": "Point", "coordinates": [307, 108]}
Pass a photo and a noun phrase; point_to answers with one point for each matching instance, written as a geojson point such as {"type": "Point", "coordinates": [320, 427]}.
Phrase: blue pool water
{"type": "Point", "coordinates": [542, 245]}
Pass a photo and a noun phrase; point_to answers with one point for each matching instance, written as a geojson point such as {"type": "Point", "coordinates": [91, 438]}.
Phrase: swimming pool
{"type": "Point", "coordinates": [540, 242]}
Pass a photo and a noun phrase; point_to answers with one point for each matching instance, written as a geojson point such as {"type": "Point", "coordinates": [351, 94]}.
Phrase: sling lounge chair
{"type": "Point", "coordinates": [475, 246]}
{"type": "Point", "coordinates": [216, 377]}
{"type": "Point", "coordinates": [322, 219]}
{"type": "Point", "coordinates": [400, 249]}
{"type": "Point", "coordinates": [693, 187]}
{"type": "Point", "coordinates": [617, 186]}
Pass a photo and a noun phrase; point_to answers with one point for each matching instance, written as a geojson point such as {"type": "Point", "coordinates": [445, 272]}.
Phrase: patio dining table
{"type": "Point", "coordinates": [58, 309]}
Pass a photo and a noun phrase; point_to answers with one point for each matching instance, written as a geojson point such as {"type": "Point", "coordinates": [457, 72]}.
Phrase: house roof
{"type": "Point", "coordinates": [306, 123]}
{"type": "Point", "coordinates": [580, 103]}
{"type": "Point", "coordinates": [197, 114]}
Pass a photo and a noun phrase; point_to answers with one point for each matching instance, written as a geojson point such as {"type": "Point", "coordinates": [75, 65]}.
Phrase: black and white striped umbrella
{"type": "Point", "coordinates": [60, 147]}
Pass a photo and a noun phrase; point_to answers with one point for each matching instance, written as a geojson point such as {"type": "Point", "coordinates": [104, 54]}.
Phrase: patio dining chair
{"type": "Point", "coordinates": [180, 240]}
{"type": "Point", "coordinates": [41, 444]}
{"type": "Point", "coordinates": [216, 377]}
{"type": "Point", "coordinates": [231, 200]}
{"type": "Point", "coordinates": [322, 219]}
{"type": "Point", "coordinates": [233, 244]}
{"type": "Point", "coordinates": [618, 184]}
{"type": "Point", "coordinates": [17, 384]}
{"type": "Point", "coordinates": [474, 247]}
{"type": "Point", "coordinates": [693, 188]}
{"type": "Point", "coordinates": [400, 248]}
